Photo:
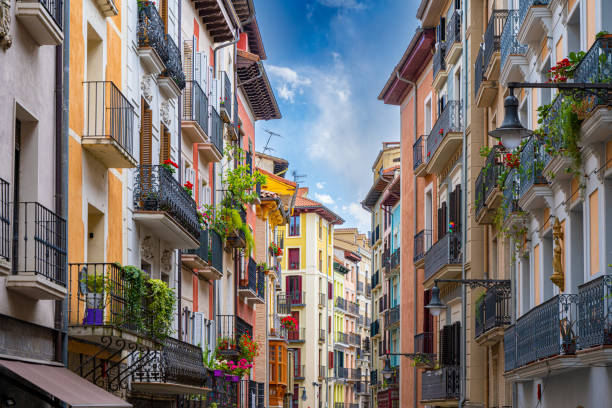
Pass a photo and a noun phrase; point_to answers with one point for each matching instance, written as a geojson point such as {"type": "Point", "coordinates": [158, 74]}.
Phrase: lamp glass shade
{"type": "Point", "coordinates": [387, 371]}
{"type": "Point", "coordinates": [511, 131]}
{"type": "Point", "coordinates": [435, 305]}
{"type": "Point", "coordinates": [304, 397]}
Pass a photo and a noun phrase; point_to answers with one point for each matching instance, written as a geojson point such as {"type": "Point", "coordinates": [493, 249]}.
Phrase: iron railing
{"type": "Point", "coordinates": [283, 304]}
{"type": "Point", "coordinates": [231, 328]}
{"type": "Point", "coordinates": [342, 372]}
{"type": "Point", "coordinates": [297, 298]}
{"type": "Point", "coordinates": [509, 44]}
{"type": "Point", "coordinates": [487, 178]}
{"type": "Point", "coordinates": [366, 345]}
{"type": "Point", "coordinates": [492, 37]}
{"type": "Point", "coordinates": [151, 31]}
{"type": "Point", "coordinates": [298, 335]}
{"type": "Point", "coordinates": [525, 5]}
{"type": "Point", "coordinates": [155, 189]}
{"type": "Point", "coordinates": [422, 242]}
{"type": "Point", "coordinates": [352, 307]}
{"type": "Point", "coordinates": [354, 339]}
{"type": "Point", "coordinates": [531, 165]}
{"type": "Point", "coordinates": [105, 297]}
{"type": "Point", "coordinates": [392, 317]}
{"type": "Point", "coordinates": [340, 303]}
{"type": "Point", "coordinates": [375, 279]}
{"type": "Point", "coordinates": [354, 374]}
{"type": "Point", "coordinates": [417, 152]}
{"type": "Point", "coordinates": [368, 290]}
{"type": "Point", "coordinates": [299, 371]}
{"type": "Point", "coordinates": [109, 114]}
{"type": "Point", "coordinates": [226, 98]}
{"type": "Point", "coordinates": [548, 329]}
{"type": "Point", "coordinates": [250, 282]}
{"type": "Point", "coordinates": [54, 8]}
{"type": "Point", "coordinates": [479, 70]}
{"type": "Point", "coordinates": [423, 343]}
{"type": "Point", "coordinates": [441, 384]}
{"type": "Point", "coordinates": [394, 261]}
{"type": "Point", "coordinates": [216, 251]}
{"type": "Point", "coordinates": [453, 29]}
{"type": "Point", "coordinates": [383, 303]}
{"type": "Point", "coordinates": [321, 334]}
{"type": "Point", "coordinates": [595, 312]}
{"type": "Point", "coordinates": [261, 284]}
{"type": "Point", "coordinates": [174, 66]}
{"type": "Point", "coordinates": [195, 105]}
{"type": "Point", "coordinates": [444, 252]}
{"type": "Point", "coordinates": [5, 223]}
{"type": "Point", "coordinates": [204, 251]}
{"type": "Point", "coordinates": [342, 337]}
{"type": "Point", "coordinates": [177, 362]}
{"type": "Point", "coordinates": [223, 393]}
{"type": "Point", "coordinates": [511, 195]}
{"type": "Point", "coordinates": [493, 310]}
{"type": "Point", "coordinates": [374, 377]}
{"type": "Point", "coordinates": [374, 328]}
{"type": "Point", "coordinates": [39, 244]}
{"type": "Point", "coordinates": [216, 129]}
{"type": "Point", "coordinates": [385, 258]}
{"type": "Point", "coordinates": [596, 67]}
{"type": "Point", "coordinates": [450, 120]}
{"type": "Point", "coordinates": [361, 387]}
{"type": "Point", "coordinates": [510, 348]}
{"type": "Point", "coordinates": [439, 63]}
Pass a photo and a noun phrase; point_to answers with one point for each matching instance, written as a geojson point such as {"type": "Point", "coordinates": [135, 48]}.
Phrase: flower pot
{"type": "Point", "coordinates": [218, 373]}
{"type": "Point", "coordinates": [93, 316]}
{"type": "Point", "coordinates": [235, 378]}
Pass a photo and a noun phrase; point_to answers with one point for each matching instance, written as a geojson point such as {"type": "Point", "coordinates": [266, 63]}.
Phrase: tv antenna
{"type": "Point", "coordinates": [297, 178]}
{"type": "Point", "coordinates": [267, 148]}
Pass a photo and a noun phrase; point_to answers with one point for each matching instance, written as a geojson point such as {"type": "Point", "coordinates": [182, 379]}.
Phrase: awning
{"type": "Point", "coordinates": [64, 385]}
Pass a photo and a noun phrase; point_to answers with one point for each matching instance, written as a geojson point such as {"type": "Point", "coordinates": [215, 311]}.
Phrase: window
{"type": "Point", "coordinates": [320, 228]}
{"type": "Point", "coordinates": [330, 291]}
{"type": "Point", "coordinates": [294, 258]}
{"type": "Point", "coordinates": [294, 226]}
{"type": "Point", "coordinates": [320, 261]}
{"type": "Point", "coordinates": [294, 289]}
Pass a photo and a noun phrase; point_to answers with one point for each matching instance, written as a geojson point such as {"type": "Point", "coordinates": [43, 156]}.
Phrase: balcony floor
{"type": "Point", "coordinates": [108, 152]}
{"type": "Point", "coordinates": [164, 226]}
{"type": "Point", "coordinates": [95, 334]}
{"type": "Point", "coordinates": [193, 131]}
{"type": "Point", "coordinates": [440, 158]}
{"type": "Point", "coordinates": [168, 388]}
{"type": "Point", "coordinates": [35, 286]}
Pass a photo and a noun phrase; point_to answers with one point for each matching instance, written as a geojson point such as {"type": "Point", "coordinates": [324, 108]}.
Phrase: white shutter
{"type": "Point", "coordinates": [212, 335]}
{"type": "Point", "coordinates": [197, 66]}
{"type": "Point", "coordinates": [198, 335]}
{"type": "Point", "coordinates": [203, 75]}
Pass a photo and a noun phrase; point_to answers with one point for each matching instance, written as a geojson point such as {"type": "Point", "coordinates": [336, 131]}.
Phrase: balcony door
{"type": "Point", "coordinates": [294, 289]}
{"type": "Point", "coordinates": [295, 335]}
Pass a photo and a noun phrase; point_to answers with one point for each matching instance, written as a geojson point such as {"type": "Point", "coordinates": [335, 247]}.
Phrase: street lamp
{"type": "Point", "coordinates": [436, 306]}
{"type": "Point", "coordinates": [387, 371]}
{"type": "Point", "coordinates": [304, 397]}
{"type": "Point", "coordinates": [511, 132]}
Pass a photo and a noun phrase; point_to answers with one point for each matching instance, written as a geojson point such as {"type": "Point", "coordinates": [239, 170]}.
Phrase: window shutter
{"type": "Point", "coordinates": [198, 334]}
{"type": "Point", "coordinates": [445, 345]}
{"type": "Point", "coordinates": [330, 290]}
{"type": "Point", "coordinates": [329, 324]}
{"type": "Point", "coordinates": [189, 67]}
{"type": "Point", "coordinates": [212, 335]}
{"type": "Point", "coordinates": [458, 207]}
{"type": "Point", "coordinates": [299, 289]}
{"type": "Point", "coordinates": [146, 134]}
{"type": "Point", "coordinates": [163, 12]}
{"type": "Point", "coordinates": [164, 148]}
{"type": "Point", "coordinates": [331, 359]}
{"type": "Point", "coordinates": [442, 29]}
{"type": "Point", "coordinates": [456, 343]}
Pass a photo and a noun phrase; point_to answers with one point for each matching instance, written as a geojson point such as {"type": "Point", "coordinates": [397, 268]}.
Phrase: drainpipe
{"type": "Point", "coordinates": [464, 210]}
{"type": "Point", "coordinates": [415, 295]}
{"type": "Point", "coordinates": [62, 76]}
{"type": "Point", "coordinates": [180, 176]}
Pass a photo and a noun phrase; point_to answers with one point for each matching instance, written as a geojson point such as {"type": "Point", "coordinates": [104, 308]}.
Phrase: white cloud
{"type": "Point", "coordinates": [324, 198]}
{"type": "Point", "coordinates": [320, 184]}
{"type": "Point", "coordinates": [289, 83]}
{"type": "Point", "coordinates": [343, 4]}
{"type": "Point", "coordinates": [357, 216]}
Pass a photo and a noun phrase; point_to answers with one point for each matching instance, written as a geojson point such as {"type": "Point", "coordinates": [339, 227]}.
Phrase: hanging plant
{"type": "Point", "coordinates": [188, 187]}
{"type": "Point", "coordinates": [289, 323]}
{"type": "Point", "coordinates": [161, 308]}
{"type": "Point", "coordinates": [169, 165]}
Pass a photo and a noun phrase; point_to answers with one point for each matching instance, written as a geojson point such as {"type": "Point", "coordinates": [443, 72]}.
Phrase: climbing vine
{"type": "Point", "coordinates": [161, 308]}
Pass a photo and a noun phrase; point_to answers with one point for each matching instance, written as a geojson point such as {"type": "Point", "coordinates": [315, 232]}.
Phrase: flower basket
{"type": "Point", "coordinates": [218, 373]}
{"type": "Point", "coordinates": [234, 378]}
{"type": "Point", "coordinates": [289, 323]}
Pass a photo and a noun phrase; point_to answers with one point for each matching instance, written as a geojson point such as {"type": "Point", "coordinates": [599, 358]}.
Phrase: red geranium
{"type": "Point", "coordinates": [289, 323]}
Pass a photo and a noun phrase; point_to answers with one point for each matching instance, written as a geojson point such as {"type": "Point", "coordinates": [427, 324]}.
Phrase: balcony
{"type": "Point", "coordinates": [383, 303]}
{"type": "Point", "coordinates": [104, 309]}
{"type": "Point", "coordinates": [297, 336]}
{"type": "Point", "coordinates": [109, 125]}
{"type": "Point", "coordinates": [175, 369]}
{"type": "Point", "coordinates": [375, 328]}
{"type": "Point", "coordinates": [231, 328]}
{"type": "Point", "coordinates": [492, 316]}
{"type": "Point", "coordinates": [249, 286]}
{"type": "Point", "coordinates": [342, 339]}
{"type": "Point", "coordinates": [550, 329]}
{"type": "Point", "coordinates": [322, 371]}
{"type": "Point", "coordinates": [439, 66]}
{"type": "Point", "coordinates": [374, 378]}
{"type": "Point", "coordinates": [341, 373]}
{"type": "Point", "coordinates": [354, 374]}
{"type": "Point", "coordinates": [38, 253]}
{"type": "Point", "coordinates": [392, 318]}
{"type": "Point", "coordinates": [283, 304]}
{"type": "Point", "coordinates": [361, 388]}
{"type": "Point", "coordinates": [42, 19]}
{"type": "Point", "coordinates": [418, 162]}
{"type": "Point", "coordinates": [445, 137]}
{"type": "Point", "coordinates": [368, 290]}
{"type": "Point", "coordinates": [375, 280]}
{"type": "Point", "coordinates": [352, 308]}
{"type": "Point", "coordinates": [207, 259]}
{"type": "Point", "coordinates": [152, 47]}
{"type": "Point", "coordinates": [340, 304]}
{"type": "Point", "coordinates": [298, 299]}
{"type": "Point", "coordinates": [595, 321]}
{"type": "Point", "coordinates": [554, 155]}
{"type": "Point", "coordinates": [354, 339]}
{"type": "Point", "coordinates": [172, 79]}
{"type": "Point", "coordinates": [216, 135]}
{"type": "Point", "coordinates": [512, 59]}
{"type": "Point", "coordinates": [492, 44]}
{"type": "Point", "coordinates": [513, 215]}
{"type": "Point", "coordinates": [441, 385]}
{"type": "Point", "coordinates": [385, 258]}
{"type": "Point", "coordinates": [195, 113]}
{"type": "Point", "coordinates": [366, 346]}
{"type": "Point", "coordinates": [299, 372]}
{"type": "Point", "coordinates": [453, 38]}
{"type": "Point", "coordinates": [393, 268]}
{"type": "Point", "coordinates": [596, 67]}
{"type": "Point", "coordinates": [236, 239]}
{"type": "Point", "coordinates": [225, 100]}
{"type": "Point", "coordinates": [534, 191]}
{"type": "Point", "coordinates": [422, 242]}
{"type": "Point", "coordinates": [424, 343]}
{"type": "Point", "coordinates": [444, 258]}
{"type": "Point", "coordinates": [488, 196]}
{"type": "Point", "coordinates": [535, 19]}
{"type": "Point", "coordinates": [165, 208]}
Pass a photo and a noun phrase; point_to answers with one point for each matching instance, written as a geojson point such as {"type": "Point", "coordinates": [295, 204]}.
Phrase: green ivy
{"type": "Point", "coordinates": [134, 291]}
{"type": "Point", "coordinates": [161, 308]}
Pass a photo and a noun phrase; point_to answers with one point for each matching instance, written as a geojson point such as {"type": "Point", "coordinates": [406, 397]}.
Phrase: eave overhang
{"type": "Point", "coordinates": [253, 80]}
{"type": "Point", "coordinates": [219, 20]}
{"type": "Point", "coordinates": [412, 63]}
{"type": "Point", "coordinates": [246, 14]}
{"type": "Point", "coordinates": [323, 211]}
{"type": "Point", "coordinates": [392, 193]}
{"type": "Point", "coordinates": [375, 192]}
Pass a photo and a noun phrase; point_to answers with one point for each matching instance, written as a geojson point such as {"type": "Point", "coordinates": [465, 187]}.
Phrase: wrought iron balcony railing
{"type": "Point", "coordinates": [354, 374]}
{"type": "Point", "coordinates": [299, 371]}
{"type": "Point", "coordinates": [374, 328]}
{"type": "Point", "coordinates": [354, 339]}
{"type": "Point", "coordinates": [547, 330]}
{"type": "Point", "coordinates": [251, 281]}
{"type": "Point", "coordinates": [492, 37]}
{"type": "Point", "coordinates": [417, 152]}
{"type": "Point", "coordinates": [492, 311]}
{"type": "Point", "coordinates": [439, 63]}
{"type": "Point", "coordinates": [297, 298]}
{"type": "Point", "coordinates": [177, 362]}
{"type": "Point", "coordinates": [385, 258]}
{"type": "Point", "coordinates": [479, 70]}
{"type": "Point", "coordinates": [383, 303]}
{"type": "Point", "coordinates": [216, 129]}
{"type": "Point", "coordinates": [298, 335]}
{"type": "Point", "coordinates": [151, 32]}
{"type": "Point", "coordinates": [5, 239]}
{"type": "Point", "coordinates": [441, 384]}
{"type": "Point", "coordinates": [374, 377]}
{"type": "Point", "coordinates": [174, 66]}
{"type": "Point", "coordinates": [375, 279]}
{"type": "Point", "coordinates": [525, 5]}
{"type": "Point", "coordinates": [444, 252]}
{"type": "Point", "coordinates": [210, 249]}
{"type": "Point", "coordinates": [532, 163]}
{"type": "Point", "coordinates": [352, 307]}
{"type": "Point", "coordinates": [342, 372]}
{"type": "Point", "coordinates": [595, 313]}
{"type": "Point", "coordinates": [108, 114]}
{"type": "Point", "coordinates": [39, 244]}
{"type": "Point", "coordinates": [283, 304]}
{"type": "Point", "coordinates": [225, 99]}
{"type": "Point", "coordinates": [392, 317]}
{"type": "Point", "coordinates": [423, 343]}
{"type": "Point", "coordinates": [596, 66]}
{"type": "Point", "coordinates": [361, 388]}
{"type": "Point", "coordinates": [487, 178]}
{"type": "Point", "coordinates": [100, 298]}
{"type": "Point", "coordinates": [509, 44]}
{"type": "Point", "coordinates": [340, 303]}
{"type": "Point", "coordinates": [342, 337]}
{"type": "Point", "coordinates": [449, 121]}
{"type": "Point", "coordinates": [231, 328]}
{"type": "Point", "coordinates": [366, 345]}
{"type": "Point", "coordinates": [422, 242]}
{"type": "Point", "coordinates": [155, 189]}
{"type": "Point", "coordinates": [511, 193]}
{"type": "Point", "coordinates": [195, 105]}
{"type": "Point", "coordinates": [453, 29]}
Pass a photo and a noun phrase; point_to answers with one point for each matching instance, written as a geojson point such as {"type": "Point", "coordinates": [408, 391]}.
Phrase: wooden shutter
{"type": "Point", "coordinates": [164, 147]}
{"type": "Point", "coordinates": [330, 290]}
{"type": "Point", "coordinates": [298, 284]}
{"type": "Point", "coordinates": [296, 316]}
{"type": "Point", "coordinates": [146, 133]}
{"type": "Point", "coordinates": [331, 359]}
{"type": "Point", "coordinates": [329, 324]}
{"type": "Point", "coordinates": [456, 343]}
{"type": "Point", "coordinates": [163, 12]}
{"type": "Point", "coordinates": [445, 345]}
{"type": "Point", "coordinates": [457, 210]}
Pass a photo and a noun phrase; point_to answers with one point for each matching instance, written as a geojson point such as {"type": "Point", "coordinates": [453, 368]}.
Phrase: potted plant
{"type": "Point", "coordinates": [169, 164]}
{"type": "Point", "coordinates": [276, 251]}
{"type": "Point", "coordinates": [94, 298]}
{"type": "Point", "coordinates": [289, 323]}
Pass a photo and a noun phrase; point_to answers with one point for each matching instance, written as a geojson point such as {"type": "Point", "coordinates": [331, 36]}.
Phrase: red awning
{"type": "Point", "coordinates": [64, 385]}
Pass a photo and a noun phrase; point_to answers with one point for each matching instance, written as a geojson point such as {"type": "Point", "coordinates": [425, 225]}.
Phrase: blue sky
{"type": "Point", "coordinates": [328, 61]}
